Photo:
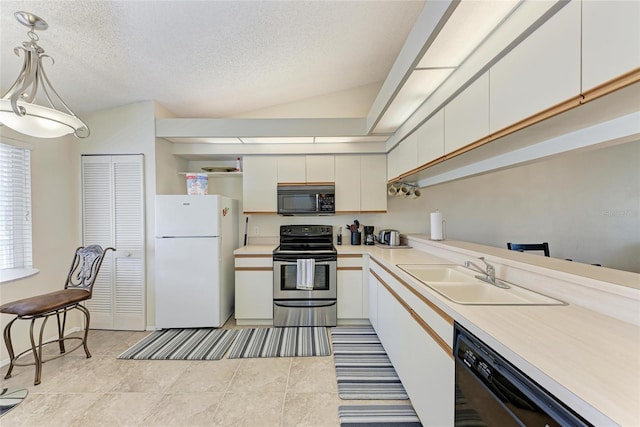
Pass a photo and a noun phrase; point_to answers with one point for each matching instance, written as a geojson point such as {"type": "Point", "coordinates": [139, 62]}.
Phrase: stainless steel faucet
{"type": "Point", "coordinates": [489, 273]}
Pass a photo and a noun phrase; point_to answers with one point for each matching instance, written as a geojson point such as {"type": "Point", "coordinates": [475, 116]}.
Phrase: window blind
{"type": "Point", "coordinates": [15, 207]}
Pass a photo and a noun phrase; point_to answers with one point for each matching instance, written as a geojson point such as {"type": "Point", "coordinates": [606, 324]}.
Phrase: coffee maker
{"type": "Point", "coordinates": [369, 237]}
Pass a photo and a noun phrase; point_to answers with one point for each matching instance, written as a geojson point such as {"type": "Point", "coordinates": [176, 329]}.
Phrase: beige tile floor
{"type": "Point", "coordinates": [105, 391]}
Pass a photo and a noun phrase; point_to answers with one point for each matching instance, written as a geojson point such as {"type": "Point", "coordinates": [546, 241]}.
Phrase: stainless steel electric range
{"type": "Point", "coordinates": [296, 305]}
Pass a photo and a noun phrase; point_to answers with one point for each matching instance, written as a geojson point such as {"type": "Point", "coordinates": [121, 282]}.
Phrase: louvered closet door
{"type": "Point", "coordinates": [113, 215]}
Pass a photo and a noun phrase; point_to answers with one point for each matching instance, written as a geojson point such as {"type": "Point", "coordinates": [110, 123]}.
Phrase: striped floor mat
{"type": "Point", "coordinates": [378, 416]}
{"type": "Point", "coordinates": [363, 369]}
{"type": "Point", "coordinates": [281, 342]}
{"type": "Point", "coordinates": [182, 344]}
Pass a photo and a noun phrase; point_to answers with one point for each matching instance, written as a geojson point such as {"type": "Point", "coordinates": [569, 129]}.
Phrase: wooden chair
{"type": "Point", "coordinates": [529, 247]}
{"type": "Point", "coordinates": [78, 288]}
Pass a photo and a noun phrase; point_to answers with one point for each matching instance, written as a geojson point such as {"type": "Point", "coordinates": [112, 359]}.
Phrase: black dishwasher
{"type": "Point", "coordinates": [490, 391]}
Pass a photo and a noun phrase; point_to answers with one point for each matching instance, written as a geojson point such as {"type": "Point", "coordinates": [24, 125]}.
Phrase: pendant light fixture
{"type": "Point", "coordinates": [18, 109]}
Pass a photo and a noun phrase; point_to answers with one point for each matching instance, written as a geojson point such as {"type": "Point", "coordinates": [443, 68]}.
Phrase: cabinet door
{"type": "Point", "coordinates": [393, 163]}
{"type": "Point", "coordinates": [253, 289]}
{"type": "Point", "coordinates": [406, 156]}
{"type": "Point", "coordinates": [292, 169]}
{"type": "Point", "coordinates": [466, 118]}
{"type": "Point", "coordinates": [610, 40]}
{"type": "Point", "coordinates": [373, 183]}
{"type": "Point", "coordinates": [399, 331]}
{"type": "Point", "coordinates": [542, 71]}
{"type": "Point", "coordinates": [350, 294]}
{"type": "Point", "coordinates": [373, 300]}
{"type": "Point", "coordinates": [320, 169]}
{"type": "Point", "coordinates": [259, 184]}
{"type": "Point", "coordinates": [254, 295]}
{"type": "Point", "coordinates": [347, 183]}
{"type": "Point", "coordinates": [431, 139]}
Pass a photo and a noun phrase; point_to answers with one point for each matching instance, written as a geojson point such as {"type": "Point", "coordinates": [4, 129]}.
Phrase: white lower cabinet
{"type": "Point", "coordinates": [254, 290]}
{"type": "Point", "coordinates": [425, 368]}
{"type": "Point", "coordinates": [351, 290]}
{"type": "Point", "coordinates": [373, 286]}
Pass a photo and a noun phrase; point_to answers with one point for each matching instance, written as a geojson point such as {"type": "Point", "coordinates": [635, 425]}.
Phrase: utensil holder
{"type": "Point", "coordinates": [356, 238]}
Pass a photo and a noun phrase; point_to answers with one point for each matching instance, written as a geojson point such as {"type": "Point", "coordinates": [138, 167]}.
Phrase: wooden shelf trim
{"type": "Point", "coordinates": [350, 268]}
{"type": "Point", "coordinates": [424, 325]}
{"type": "Point", "coordinates": [349, 255]}
{"type": "Point", "coordinates": [585, 97]}
{"type": "Point", "coordinates": [254, 268]}
{"type": "Point", "coordinates": [295, 184]}
{"type": "Point", "coordinates": [253, 256]}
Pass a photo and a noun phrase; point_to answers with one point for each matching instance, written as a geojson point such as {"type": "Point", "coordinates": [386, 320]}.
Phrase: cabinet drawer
{"type": "Point", "coordinates": [261, 262]}
{"type": "Point", "coordinates": [350, 261]}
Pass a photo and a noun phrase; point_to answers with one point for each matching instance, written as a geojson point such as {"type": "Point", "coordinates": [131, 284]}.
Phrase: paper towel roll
{"type": "Point", "coordinates": [436, 225]}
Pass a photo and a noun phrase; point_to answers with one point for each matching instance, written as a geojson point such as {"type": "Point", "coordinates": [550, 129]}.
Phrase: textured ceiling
{"type": "Point", "coordinates": [209, 58]}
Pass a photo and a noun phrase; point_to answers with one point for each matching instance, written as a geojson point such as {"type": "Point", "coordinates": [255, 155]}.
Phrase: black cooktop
{"type": "Point", "coordinates": [307, 238]}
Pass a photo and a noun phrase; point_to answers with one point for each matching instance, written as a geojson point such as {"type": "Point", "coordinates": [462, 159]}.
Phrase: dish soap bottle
{"type": "Point", "coordinates": [238, 164]}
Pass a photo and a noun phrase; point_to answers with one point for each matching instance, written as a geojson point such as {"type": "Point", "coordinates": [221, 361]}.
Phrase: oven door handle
{"type": "Point", "coordinates": [320, 260]}
{"type": "Point", "coordinates": [305, 303]}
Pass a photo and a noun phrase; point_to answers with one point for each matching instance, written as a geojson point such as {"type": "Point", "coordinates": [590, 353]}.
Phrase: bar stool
{"type": "Point", "coordinates": [521, 247]}
{"type": "Point", "coordinates": [78, 288]}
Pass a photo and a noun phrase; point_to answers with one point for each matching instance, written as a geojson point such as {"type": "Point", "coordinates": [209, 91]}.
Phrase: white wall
{"type": "Point", "coordinates": [585, 204]}
{"type": "Point", "coordinates": [353, 102]}
{"type": "Point", "coordinates": [129, 129]}
{"type": "Point", "coordinates": [55, 234]}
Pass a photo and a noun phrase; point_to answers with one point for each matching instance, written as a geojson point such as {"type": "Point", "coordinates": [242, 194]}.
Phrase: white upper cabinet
{"type": "Point", "coordinates": [348, 183]}
{"type": "Point", "coordinates": [320, 168]}
{"type": "Point", "coordinates": [292, 169]}
{"type": "Point", "coordinates": [431, 139]}
{"type": "Point", "coordinates": [610, 40]}
{"type": "Point", "coordinates": [404, 157]}
{"type": "Point", "coordinates": [360, 181]}
{"type": "Point", "coordinates": [259, 184]}
{"type": "Point", "coordinates": [393, 162]}
{"type": "Point", "coordinates": [542, 71]}
{"type": "Point", "coordinates": [306, 169]}
{"type": "Point", "coordinates": [466, 118]}
{"type": "Point", "coordinates": [373, 183]}
{"type": "Point", "coordinates": [361, 184]}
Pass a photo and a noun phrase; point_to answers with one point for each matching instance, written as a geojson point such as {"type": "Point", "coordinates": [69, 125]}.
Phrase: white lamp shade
{"type": "Point", "coordinates": [39, 122]}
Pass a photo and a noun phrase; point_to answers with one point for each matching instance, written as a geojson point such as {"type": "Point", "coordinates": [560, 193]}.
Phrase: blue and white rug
{"type": "Point", "coordinates": [182, 344]}
{"type": "Point", "coordinates": [363, 369]}
{"type": "Point", "coordinates": [281, 342]}
{"type": "Point", "coordinates": [378, 416]}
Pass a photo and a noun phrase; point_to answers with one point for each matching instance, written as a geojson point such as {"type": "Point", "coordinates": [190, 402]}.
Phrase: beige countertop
{"type": "Point", "coordinates": [589, 360]}
{"type": "Point", "coordinates": [266, 250]}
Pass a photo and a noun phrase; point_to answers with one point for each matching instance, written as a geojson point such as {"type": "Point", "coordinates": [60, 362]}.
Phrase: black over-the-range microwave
{"type": "Point", "coordinates": [306, 199]}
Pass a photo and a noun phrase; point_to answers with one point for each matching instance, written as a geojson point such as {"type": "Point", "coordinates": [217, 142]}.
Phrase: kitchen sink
{"type": "Point", "coordinates": [460, 285]}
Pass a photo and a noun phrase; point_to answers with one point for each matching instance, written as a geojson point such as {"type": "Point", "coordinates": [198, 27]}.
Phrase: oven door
{"type": "Point", "coordinates": [285, 277]}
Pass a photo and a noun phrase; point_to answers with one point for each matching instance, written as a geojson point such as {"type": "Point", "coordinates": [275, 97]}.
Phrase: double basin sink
{"type": "Point", "coordinates": [460, 285]}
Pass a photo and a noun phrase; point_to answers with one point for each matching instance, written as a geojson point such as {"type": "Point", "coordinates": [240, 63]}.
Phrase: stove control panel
{"type": "Point", "coordinates": [306, 230]}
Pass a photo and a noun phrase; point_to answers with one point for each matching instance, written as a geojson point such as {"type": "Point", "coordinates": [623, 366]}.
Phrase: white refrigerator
{"type": "Point", "coordinates": [195, 239]}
